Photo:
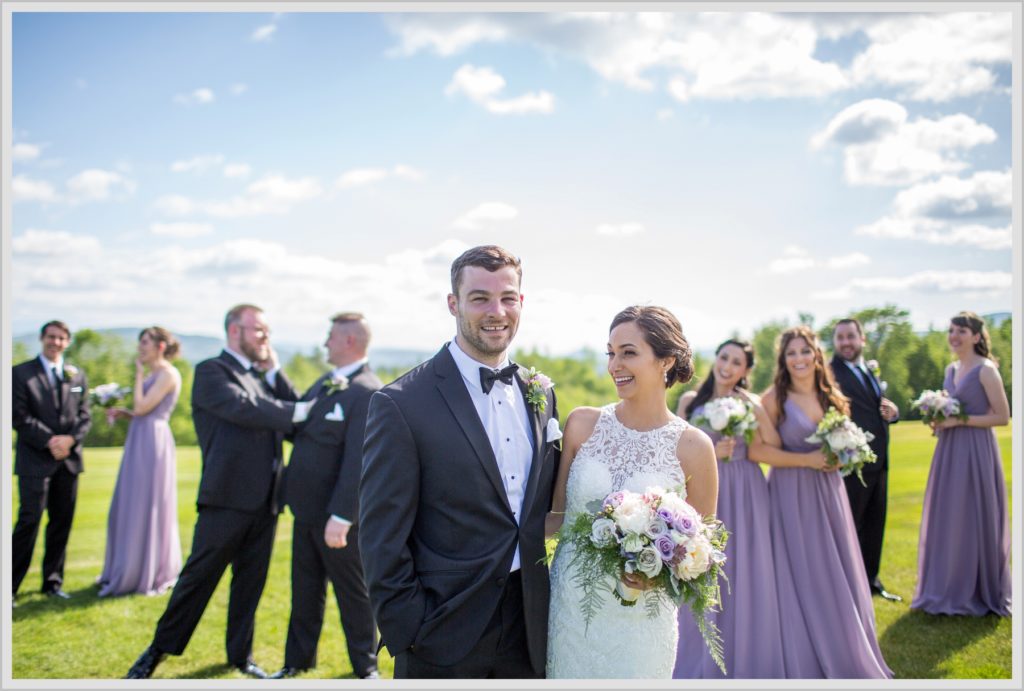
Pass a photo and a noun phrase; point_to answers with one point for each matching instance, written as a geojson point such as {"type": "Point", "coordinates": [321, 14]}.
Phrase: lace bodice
{"type": "Point", "coordinates": [620, 642]}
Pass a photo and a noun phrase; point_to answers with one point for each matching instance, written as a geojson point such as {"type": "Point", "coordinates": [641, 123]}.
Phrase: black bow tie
{"type": "Point", "coordinates": [489, 376]}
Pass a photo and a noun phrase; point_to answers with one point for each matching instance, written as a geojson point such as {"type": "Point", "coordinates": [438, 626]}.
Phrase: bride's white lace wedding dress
{"type": "Point", "coordinates": [621, 642]}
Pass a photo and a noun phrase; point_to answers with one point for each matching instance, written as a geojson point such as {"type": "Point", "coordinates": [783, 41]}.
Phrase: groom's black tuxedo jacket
{"type": "Point", "coordinates": [37, 416]}
{"type": "Point", "coordinates": [322, 477]}
{"type": "Point", "coordinates": [240, 423]}
{"type": "Point", "coordinates": [864, 411]}
{"type": "Point", "coordinates": [437, 532]}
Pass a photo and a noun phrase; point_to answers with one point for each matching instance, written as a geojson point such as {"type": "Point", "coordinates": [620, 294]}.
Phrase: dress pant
{"type": "Point", "coordinates": [501, 653]}
{"type": "Point", "coordinates": [56, 495]}
{"type": "Point", "coordinates": [868, 505]}
{"type": "Point", "coordinates": [313, 564]}
{"type": "Point", "coordinates": [222, 537]}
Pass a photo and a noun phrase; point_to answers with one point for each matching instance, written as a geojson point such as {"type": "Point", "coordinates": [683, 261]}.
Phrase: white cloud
{"type": "Point", "coordinates": [935, 56]}
{"type": "Point", "coordinates": [98, 185]}
{"type": "Point", "coordinates": [24, 189]}
{"type": "Point", "coordinates": [238, 89]}
{"type": "Point", "coordinates": [620, 229]}
{"type": "Point", "coordinates": [482, 86]}
{"type": "Point", "coordinates": [664, 114]}
{"type": "Point", "coordinates": [197, 164]}
{"type": "Point", "coordinates": [796, 258]}
{"type": "Point", "coordinates": [198, 97]}
{"type": "Point", "coordinates": [967, 283]}
{"type": "Point", "coordinates": [945, 212]}
{"type": "Point", "coordinates": [484, 214]}
{"type": "Point", "coordinates": [175, 205]}
{"type": "Point", "coordinates": [237, 170]}
{"type": "Point", "coordinates": [23, 151]}
{"type": "Point", "coordinates": [263, 33]}
{"type": "Point", "coordinates": [418, 32]}
{"type": "Point", "coordinates": [49, 243]}
{"type": "Point", "coordinates": [181, 230]}
{"type": "Point", "coordinates": [367, 176]}
{"type": "Point", "coordinates": [881, 147]}
{"type": "Point", "coordinates": [271, 194]}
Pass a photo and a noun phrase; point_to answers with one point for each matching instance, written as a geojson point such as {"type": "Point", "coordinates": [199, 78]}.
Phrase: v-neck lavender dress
{"type": "Point", "coordinates": [749, 616]}
{"type": "Point", "coordinates": [963, 554]}
{"type": "Point", "coordinates": [143, 546]}
{"type": "Point", "coordinates": [828, 620]}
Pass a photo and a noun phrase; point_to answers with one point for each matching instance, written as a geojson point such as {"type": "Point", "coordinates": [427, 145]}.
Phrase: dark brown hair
{"type": "Point", "coordinates": [850, 320]}
{"type": "Point", "coordinates": [970, 320]}
{"type": "Point", "coordinates": [159, 334]}
{"type": "Point", "coordinates": [824, 384]}
{"type": "Point", "coordinates": [56, 323]}
{"type": "Point", "coordinates": [664, 334]}
{"type": "Point", "coordinates": [490, 257]}
{"type": "Point", "coordinates": [707, 389]}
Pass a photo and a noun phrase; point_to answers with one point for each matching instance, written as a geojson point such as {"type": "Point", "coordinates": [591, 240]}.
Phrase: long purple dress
{"type": "Point", "coordinates": [749, 616]}
{"type": "Point", "coordinates": [963, 557]}
{"type": "Point", "coordinates": [828, 621]}
{"type": "Point", "coordinates": [143, 546]}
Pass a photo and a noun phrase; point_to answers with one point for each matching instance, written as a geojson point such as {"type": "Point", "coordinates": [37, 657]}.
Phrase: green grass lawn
{"type": "Point", "coordinates": [88, 637]}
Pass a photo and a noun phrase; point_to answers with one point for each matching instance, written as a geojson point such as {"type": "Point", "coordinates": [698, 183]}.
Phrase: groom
{"type": "Point", "coordinates": [457, 478]}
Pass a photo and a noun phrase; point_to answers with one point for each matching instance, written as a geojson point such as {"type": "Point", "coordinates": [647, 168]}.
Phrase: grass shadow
{"type": "Point", "coordinates": [918, 645]}
{"type": "Point", "coordinates": [31, 605]}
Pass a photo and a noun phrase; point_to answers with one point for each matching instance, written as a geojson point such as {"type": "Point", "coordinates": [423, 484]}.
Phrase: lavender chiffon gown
{"type": "Point", "coordinates": [963, 557]}
{"type": "Point", "coordinates": [828, 621]}
{"type": "Point", "coordinates": [749, 616]}
{"type": "Point", "coordinates": [143, 547]}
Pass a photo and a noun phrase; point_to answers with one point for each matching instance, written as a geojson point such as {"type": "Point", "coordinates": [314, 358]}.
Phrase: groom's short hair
{"type": "Point", "coordinates": [490, 257]}
{"type": "Point", "coordinates": [234, 314]}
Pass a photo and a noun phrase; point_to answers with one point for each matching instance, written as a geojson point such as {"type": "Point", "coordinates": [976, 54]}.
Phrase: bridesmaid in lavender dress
{"type": "Point", "coordinates": [749, 615]}
{"type": "Point", "coordinates": [963, 562]}
{"type": "Point", "coordinates": [828, 623]}
{"type": "Point", "coordinates": [143, 548]}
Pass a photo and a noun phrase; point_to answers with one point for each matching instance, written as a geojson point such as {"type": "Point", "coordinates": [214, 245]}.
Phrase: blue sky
{"type": "Point", "coordinates": [734, 167]}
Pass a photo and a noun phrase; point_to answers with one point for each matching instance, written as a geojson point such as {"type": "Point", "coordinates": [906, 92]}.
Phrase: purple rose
{"type": "Point", "coordinates": [612, 501]}
{"type": "Point", "coordinates": [666, 546]}
{"type": "Point", "coordinates": [686, 525]}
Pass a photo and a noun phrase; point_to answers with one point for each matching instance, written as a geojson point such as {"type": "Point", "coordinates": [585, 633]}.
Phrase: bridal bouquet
{"type": "Point", "coordinates": [844, 444]}
{"type": "Point", "coordinates": [658, 535]}
{"type": "Point", "coordinates": [106, 395]}
{"type": "Point", "coordinates": [936, 406]}
{"type": "Point", "coordinates": [729, 416]}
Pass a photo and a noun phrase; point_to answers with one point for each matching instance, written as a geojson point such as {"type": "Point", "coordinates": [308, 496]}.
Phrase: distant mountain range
{"type": "Point", "coordinates": [196, 348]}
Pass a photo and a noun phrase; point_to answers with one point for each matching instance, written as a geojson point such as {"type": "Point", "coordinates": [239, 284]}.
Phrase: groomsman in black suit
{"type": "Point", "coordinates": [242, 406]}
{"type": "Point", "coordinates": [871, 411]}
{"type": "Point", "coordinates": [50, 411]}
{"type": "Point", "coordinates": [322, 488]}
{"type": "Point", "coordinates": [458, 472]}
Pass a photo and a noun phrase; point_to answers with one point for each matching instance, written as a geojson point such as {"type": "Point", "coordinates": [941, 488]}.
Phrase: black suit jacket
{"type": "Point", "coordinates": [240, 423]}
{"type": "Point", "coordinates": [864, 411]}
{"type": "Point", "coordinates": [322, 477]}
{"type": "Point", "coordinates": [437, 533]}
{"type": "Point", "coordinates": [37, 417]}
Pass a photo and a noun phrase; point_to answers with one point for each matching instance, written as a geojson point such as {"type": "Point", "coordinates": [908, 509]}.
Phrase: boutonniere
{"type": "Point", "coordinates": [336, 382]}
{"type": "Point", "coordinates": [537, 386]}
{"type": "Point", "coordinates": [69, 372]}
{"type": "Point", "coordinates": [876, 371]}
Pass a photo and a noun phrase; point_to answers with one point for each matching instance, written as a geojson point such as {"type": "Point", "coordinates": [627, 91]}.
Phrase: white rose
{"type": "Point", "coordinates": [697, 559]}
{"type": "Point", "coordinates": [719, 418]}
{"type": "Point", "coordinates": [648, 562]}
{"type": "Point", "coordinates": [632, 515]}
{"type": "Point", "coordinates": [840, 438]}
{"type": "Point", "coordinates": [602, 532]}
{"type": "Point", "coordinates": [632, 542]}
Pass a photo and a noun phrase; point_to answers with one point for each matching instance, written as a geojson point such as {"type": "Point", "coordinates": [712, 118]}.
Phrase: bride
{"type": "Point", "coordinates": [629, 445]}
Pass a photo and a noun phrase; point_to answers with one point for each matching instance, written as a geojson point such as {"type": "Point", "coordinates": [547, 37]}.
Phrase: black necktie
{"type": "Point", "coordinates": [489, 376]}
{"type": "Point", "coordinates": [57, 381]}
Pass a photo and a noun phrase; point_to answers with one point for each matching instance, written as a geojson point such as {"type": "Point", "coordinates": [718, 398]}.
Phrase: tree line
{"type": "Point", "coordinates": [910, 362]}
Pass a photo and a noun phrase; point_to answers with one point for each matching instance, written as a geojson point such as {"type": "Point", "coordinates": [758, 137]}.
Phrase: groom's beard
{"type": "Point", "coordinates": [474, 336]}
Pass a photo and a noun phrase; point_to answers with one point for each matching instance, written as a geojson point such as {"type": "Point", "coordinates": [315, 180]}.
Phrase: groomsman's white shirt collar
{"type": "Point", "coordinates": [245, 362]}
{"type": "Point", "coordinates": [347, 370]}
{"type": "Point", "coordinates": [49, 365]}
{"type": "Point", "coordinates": [505, 418]}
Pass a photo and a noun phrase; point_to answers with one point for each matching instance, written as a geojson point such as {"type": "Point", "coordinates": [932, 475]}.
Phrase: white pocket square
{"type": "Point", "coordinates": [337, 415]}
{"type": "Point", "coordinates": [552, 433]}
{"type": "Point", "coordinates": [76, 389]}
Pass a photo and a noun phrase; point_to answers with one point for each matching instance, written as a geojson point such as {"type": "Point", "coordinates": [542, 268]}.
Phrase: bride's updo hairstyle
{"type": "Point", "coordinates": [664, 334]}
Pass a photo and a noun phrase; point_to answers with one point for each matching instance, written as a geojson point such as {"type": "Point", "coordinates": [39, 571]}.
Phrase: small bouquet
{"type": "Point", "coordinates": [936, 406]}
{"type": "Point", "coordinates": [656, 534]}
{"type": "Point", "coordinates": [729, 416]}
{"type": "Point", "coordinates": [844, 444]}
{"type": "Point", "coordinates": [106, 395]}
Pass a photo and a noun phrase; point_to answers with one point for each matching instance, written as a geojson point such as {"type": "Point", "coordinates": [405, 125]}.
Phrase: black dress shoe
{"type": "Point", "coordinates": [58, 593]}
{"type": "Point", "coordinates": [286, 672]}
{"type": "Point", "coordinates": [878, 589]}
{"type": "Point", "coordinates": [251, 669]}
{"type": "Point", "coordinates": [147, 662]}
{"type": "Point", "coordinates": [372, 674]}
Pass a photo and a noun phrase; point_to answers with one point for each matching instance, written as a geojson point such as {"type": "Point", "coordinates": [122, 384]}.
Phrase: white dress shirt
{"type": "Point", "coordinates": [48, 366]}
{"type": "Point", "coordinates": [506, 421]}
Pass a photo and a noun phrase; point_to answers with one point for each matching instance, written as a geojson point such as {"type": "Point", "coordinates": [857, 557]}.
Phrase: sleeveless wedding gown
{"type": "Point", "coordinates": [621, 642]}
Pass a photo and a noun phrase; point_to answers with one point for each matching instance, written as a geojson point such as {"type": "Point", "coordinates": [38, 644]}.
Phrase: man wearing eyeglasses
{"type": "Point", "coordinates": [242, 406]}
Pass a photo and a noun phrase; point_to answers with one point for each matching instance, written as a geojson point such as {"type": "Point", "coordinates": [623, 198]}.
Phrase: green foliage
{"type": "Point", "coordinates": [303, 370]}
{"type": "Point", "coordinates": [20, 353]}
{"type": "Point", "coordinates": [765, 341]}
{"type": "Point", "coordinates": [578, 382]}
